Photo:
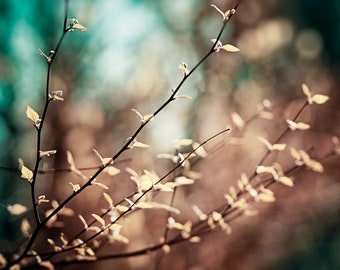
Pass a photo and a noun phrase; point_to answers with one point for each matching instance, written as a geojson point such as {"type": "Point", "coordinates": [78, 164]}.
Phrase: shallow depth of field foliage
{"type": "Point", "coordinates": [175, 134]}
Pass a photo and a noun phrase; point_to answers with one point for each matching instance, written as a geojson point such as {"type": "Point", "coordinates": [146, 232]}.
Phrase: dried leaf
{"type": "Point", "coordinates": [26, 173]}
{"type": "Point", "coordinates": [16, 209]}
{"type": "Point", "coordinates": [32, 114]}
{"type": "Point", "coordinates": [230, 48]}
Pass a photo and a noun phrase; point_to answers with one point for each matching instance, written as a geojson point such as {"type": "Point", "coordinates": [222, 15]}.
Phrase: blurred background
{"type": "Point", "coordinates": [128, 58]}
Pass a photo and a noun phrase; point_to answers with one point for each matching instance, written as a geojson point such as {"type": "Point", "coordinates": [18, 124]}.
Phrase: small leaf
{"type": "Point", "coordinates": [75, 187]}
{"type": "Point", "coordinates": [82, 219]}
{"type": "Point", "coordinates": [286, 181]}
{"type": "Point", "coordinates": [70, 160]}
{"type": "Point", "coordinates": [25, 227]}
{"type": "Point", "coordinates": [183, 96]}
{"type": "Point", "coordinates": [26, 173]}
{"type": "Point", "coordinates": [200, 151]}
{"type": "Point", "coordinates": [112, 171]}
{"type": "Point", "coordinates": [306, 91]}
{"type": "Point", "coordinates": [140, 145]}
{"type": "Point", "coordinates": [184, 68]}
{"type": "Point", "coordinates": [143, 205]}
{"type": "Point", "coordinates": [108, 199]}
{"type": "Point", "coordinates": [199, 212]}
{"type": "Point", "coordinates": [32, 114]}
{"type": "Point", "coordinates": [16, 209]}
{"type": "Point", "coordinates": [237, 120]}
{"type": "Point", "coordinates": [182, 180]}
{"type": "Point", "coordinates": [99, 219]}
{"type": "Point", "coordinates": [320, 99]}
{"type": "Point", "coordinates": [300, 125]}
{"type": "Point", "coordinates": [140, 116]}
{"type": "Point", "coordinates": [47, 153]}
{"type": "Point", "coordinates": [230, 48]}
{"type": "Point", "coordinates": [96, 183]}
{"type": "Point", "coordinates": [78, 26]}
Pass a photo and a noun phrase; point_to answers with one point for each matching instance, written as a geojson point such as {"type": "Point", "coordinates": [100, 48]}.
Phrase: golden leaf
{"type": "Point", "coordinates": [230, 48]}
{"type": "Point", "coordinates": [26, 173]}
{"type": "Point", "coordinates": [251, 212]}
{"type": "Point", "coordinates": [99, 219]}
{"type": "Point", "coordinates": [140, 116]}
{"type": "Point", "coordinates": [32, 114]}
{"type": "Point", "coordinates": [16, 209]}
